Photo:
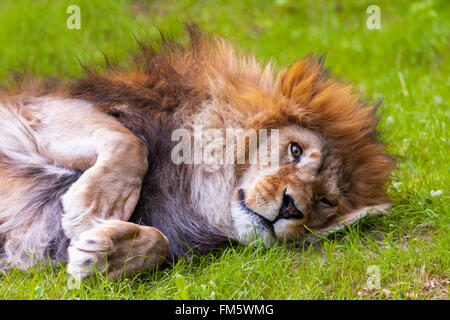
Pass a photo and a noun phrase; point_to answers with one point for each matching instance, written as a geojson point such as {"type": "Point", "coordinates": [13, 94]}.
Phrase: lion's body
{"type": "Point", "coordinates": [33, 181]}
{"type": "Point", "coordinates": [66, 151]}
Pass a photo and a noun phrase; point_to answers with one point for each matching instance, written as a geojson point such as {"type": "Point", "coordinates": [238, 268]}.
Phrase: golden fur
{"type": "Point", "coordinates": [102, 144]}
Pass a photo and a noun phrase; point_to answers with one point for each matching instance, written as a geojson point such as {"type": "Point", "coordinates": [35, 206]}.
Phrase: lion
{"type": "Point", "coordinates": [88, 176]}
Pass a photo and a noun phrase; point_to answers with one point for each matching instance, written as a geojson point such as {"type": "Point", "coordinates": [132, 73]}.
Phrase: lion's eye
{"type": "Point", "coordinates": [326, 202]}
{"type": "Point", "coordinates": [296, 151]}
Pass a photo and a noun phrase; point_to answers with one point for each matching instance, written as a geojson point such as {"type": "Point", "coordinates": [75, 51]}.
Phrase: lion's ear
{"type": "Point", "coordinates": [340, 222]}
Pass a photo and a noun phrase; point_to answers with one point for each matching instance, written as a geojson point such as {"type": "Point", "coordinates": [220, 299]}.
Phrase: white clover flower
{"type": "Point", "coordinates": [436, 193]}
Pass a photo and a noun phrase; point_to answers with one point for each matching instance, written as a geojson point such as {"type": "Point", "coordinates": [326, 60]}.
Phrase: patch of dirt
{"type": "Point", "coordinates": [383, 293]}
{"type": "Point", "coordinates": [145, 7]}
{"type": "Point", "coordinates": [436, 289]}
{"type": "Point", "coordinates": [431, 289]}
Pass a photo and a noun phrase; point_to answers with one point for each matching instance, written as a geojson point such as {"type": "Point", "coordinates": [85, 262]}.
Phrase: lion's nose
{"type": "Point", "coordinates": [288, 209]}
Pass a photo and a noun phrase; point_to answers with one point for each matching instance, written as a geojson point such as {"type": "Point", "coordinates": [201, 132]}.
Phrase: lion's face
{"type": "Point", "coordinates": [275, 203]}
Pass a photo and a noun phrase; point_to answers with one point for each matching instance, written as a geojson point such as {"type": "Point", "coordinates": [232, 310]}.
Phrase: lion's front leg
{"type": "Point", "coordinates": [110, 188]}
{"type": "Point", "coordinates": [117, 249]}
{"type": "Point", "coordinates": [94, 207]}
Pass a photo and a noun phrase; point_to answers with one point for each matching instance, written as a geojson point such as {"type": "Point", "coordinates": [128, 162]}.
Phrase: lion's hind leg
{"type": "Point", "coordinates": [30, 188]}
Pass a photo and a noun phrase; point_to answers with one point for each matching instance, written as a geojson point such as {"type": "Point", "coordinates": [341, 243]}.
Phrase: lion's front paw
{"type": "Point", "coordinates": [116, 248]}
{"type": "Point", "coordinates": [92, 197]}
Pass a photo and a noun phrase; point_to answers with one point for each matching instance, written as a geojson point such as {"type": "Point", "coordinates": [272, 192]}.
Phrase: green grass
{"type": "Point", "coordinates": [410, 247]}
